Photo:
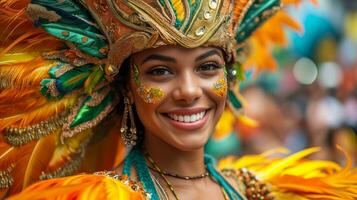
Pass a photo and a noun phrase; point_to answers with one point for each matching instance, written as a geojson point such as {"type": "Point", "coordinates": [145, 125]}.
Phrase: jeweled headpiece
{"type": "Point", "coordinates": [58, 57]}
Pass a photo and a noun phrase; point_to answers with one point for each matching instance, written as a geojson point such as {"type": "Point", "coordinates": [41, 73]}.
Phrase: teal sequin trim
{"type": "Point", "coordinates": [136, 159]}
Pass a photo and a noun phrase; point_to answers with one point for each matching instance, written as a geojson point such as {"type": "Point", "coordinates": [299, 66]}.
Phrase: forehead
{"type": "Point", "coordinates": [177, 52]}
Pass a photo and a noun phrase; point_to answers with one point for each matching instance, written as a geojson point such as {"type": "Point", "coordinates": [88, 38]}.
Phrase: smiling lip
{"type": "Point", "coordinates": [188, 125]}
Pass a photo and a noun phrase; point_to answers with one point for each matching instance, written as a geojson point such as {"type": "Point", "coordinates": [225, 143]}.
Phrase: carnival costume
{"type": "Point", "coordinates": [59, 109]}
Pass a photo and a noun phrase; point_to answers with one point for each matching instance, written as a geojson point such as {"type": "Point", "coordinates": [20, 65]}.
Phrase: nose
{"type": "Point", "coordinates": [188, 88]}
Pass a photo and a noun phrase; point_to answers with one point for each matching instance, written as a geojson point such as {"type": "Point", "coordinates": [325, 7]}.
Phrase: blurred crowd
{"type": "Point", "coordinates": [311, 100]}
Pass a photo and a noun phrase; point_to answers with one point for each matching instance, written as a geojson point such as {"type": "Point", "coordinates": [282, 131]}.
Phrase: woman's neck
{"type": "Point", "coordinates": [173, 160]}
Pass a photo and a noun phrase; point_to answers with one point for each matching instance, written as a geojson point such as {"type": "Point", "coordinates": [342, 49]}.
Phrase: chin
{"type": "Point", "coordinates": [191, 143]}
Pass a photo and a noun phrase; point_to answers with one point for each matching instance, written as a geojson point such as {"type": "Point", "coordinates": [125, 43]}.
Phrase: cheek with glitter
{"type": "Point", "coordinates": [220, 87]}
{"type": "Point", "coordinates": [150, 94]}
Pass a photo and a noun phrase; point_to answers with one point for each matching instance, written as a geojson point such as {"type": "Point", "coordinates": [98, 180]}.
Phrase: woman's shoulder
{"type": "Point", "coordinates": [100, 185]}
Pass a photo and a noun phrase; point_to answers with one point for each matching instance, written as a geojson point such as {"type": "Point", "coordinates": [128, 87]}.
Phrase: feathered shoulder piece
{"type": "Point", "coordinates": [292, 177]}
{"type": "Point", "coordinates": [102, 185]}
{"type": "Point", "coordinates": [257, 176]}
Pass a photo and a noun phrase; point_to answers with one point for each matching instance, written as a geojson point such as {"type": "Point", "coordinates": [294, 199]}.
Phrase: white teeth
{"type": "Point", "coordinates": [193, 118]}
{"type": "Point", "coordinates": [188, 118]}
{"type": "Point", "coordinates": [180, 118]}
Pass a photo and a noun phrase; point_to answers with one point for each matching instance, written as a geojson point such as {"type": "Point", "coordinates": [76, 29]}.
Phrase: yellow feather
{"type": "Point", "coordinates": [296, 178]}
{"type": "Point", "coordinates": [276, 168]}
{"type": "Point", "coordinates": [313, 168]}
{"type": "Point", "coordinates": [248, 121]}
{"type": "Point", "coordinates": [224, 125]}
{"type": "Point", "coordinates": [179, 8]}
{"type": "Point", "coordinates": [13, 58]}
{"type": "Point", "coordinates": [63, 151]}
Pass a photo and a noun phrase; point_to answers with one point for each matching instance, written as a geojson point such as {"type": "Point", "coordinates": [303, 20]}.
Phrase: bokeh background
{"type": "Point", "coordinates": [311, 99]}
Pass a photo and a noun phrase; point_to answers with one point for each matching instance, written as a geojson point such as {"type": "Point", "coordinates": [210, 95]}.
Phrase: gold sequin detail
{"type": "Point", "coordinates": [220, 87]}
{"type": "Point", "coordinates": [252, 187]}
{"type": "Point", "coordinates": [134, 185]}
{"type": "Point", "coordinates": [67, 169]}
{"type": "Point", "coordinates": [6, 179]}
{"type": "Point", "coordinates": [65, 33]}
{"type": "Point", "coordinates": [17, 136]}
{"type": "Point", "coordinates": [84, 39]}
{"type": "Point", "coordinates": [52, 88]}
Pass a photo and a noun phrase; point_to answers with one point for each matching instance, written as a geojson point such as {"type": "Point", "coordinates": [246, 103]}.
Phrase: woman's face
{"type": "Point", "coordinates": [179, 93]}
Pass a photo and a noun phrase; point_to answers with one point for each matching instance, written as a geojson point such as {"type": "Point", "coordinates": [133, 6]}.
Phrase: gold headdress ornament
{"type": "Point", "coordinates": [57, 59]}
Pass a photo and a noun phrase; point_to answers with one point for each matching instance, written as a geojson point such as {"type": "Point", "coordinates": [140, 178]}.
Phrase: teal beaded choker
{"type": "Point", "coordinates": [136, 159]}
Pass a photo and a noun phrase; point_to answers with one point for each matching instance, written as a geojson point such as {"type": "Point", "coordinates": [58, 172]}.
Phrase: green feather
{"type": "Point", "coordinates": [88, 113]}
{"type": "Point", "coordinates": [234, 100]}
{"type": "Point", "coordinates": [74, 25]}
{"type": "Point", "coordinates": [94, 78]}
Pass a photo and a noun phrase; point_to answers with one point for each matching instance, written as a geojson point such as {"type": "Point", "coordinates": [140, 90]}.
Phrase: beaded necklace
{"type": "Point", "coordinates": [203, 175]}
{"type": "Point", "coordinates": [162, 174]}
{"type": "Point", "coordinates": [136, 159]}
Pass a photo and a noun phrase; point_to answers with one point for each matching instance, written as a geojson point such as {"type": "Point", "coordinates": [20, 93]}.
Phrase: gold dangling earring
{"type": "Point", "coordinates": [129, 137]}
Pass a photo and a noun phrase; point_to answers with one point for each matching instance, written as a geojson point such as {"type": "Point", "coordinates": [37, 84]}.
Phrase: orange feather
{"type": "Point", "coordinates": [239, 6]}
{"type": "Point", "coordinates": [27, 74]}
{"type": "Point", "coordinates": [19, 31]}
{"type": "Point", "coordinates": [106, 151]}
{"type": "Point", "coordinates": [19, 157]}
{"type": "Point", "coordinates": [39, 159]}
{"type": "Point", "coordinates": [39, 114]}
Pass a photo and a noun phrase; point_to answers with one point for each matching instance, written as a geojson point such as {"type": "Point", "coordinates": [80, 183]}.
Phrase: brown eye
{"type": "Point", "coordinates": [159, 71]}
{"type": "Point", "coordinates": [211, 66]}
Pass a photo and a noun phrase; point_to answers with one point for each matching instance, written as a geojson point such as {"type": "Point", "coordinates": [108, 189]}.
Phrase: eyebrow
{"type": "Point", "coordinates": [159, 58]}
{"type": "Point", "coordinates": [208, 54]}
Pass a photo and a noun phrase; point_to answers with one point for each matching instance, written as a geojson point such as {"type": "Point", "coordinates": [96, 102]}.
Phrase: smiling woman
{"type": "Point", "coordinates": [185, 114]}
{"type": "Point", "coordinates": [129, 92]}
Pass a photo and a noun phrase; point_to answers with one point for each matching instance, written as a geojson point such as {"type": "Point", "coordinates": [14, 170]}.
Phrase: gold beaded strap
{"type": "Point", "coordinates": [250, 185]}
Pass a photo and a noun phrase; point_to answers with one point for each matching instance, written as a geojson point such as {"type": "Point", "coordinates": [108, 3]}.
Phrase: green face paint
{"type": "Point", "coordinates": [136, 75]}
{"type": "Point", "coordinates": [225, 71]}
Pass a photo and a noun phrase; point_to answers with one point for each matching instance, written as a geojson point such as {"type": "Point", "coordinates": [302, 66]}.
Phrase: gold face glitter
{"type": "Point", "coordinates": [220, 87]}
{"type": "Point", "coordinates": [148, 94]}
